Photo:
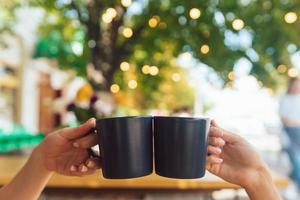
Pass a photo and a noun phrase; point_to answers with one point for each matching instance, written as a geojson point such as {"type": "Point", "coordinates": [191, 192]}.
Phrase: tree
{"type": "Point", "coordinates": [107, 33]}
{"type": "Point", "coordinates": [113, 32]}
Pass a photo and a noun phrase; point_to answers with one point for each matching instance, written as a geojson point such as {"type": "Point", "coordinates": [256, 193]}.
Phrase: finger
{"type": "Point", "coordinates": [83, 168]}
{"type": "Point", "coordinates": [230, 137]}
{"type": "Point", "coordinates": [216, 141]}
{"type": "Point", "coordinates": [94, 163]}
{"type": "Point", "coordinates": [215, 132]}
{"type": "Point", "coordinates": [214, 123]}
{"type": "Point", "coordinates": [73, 168]}
{"type": "Point", "coordinates": [214, 150]}
{"type": "Point", "coordinates": [225, 135]}
{"type": "Point", "coordinates": [210, 160]}
{"type": "Point", "coordinates": [86, 142]}
{"type": "Point", "coordinates": [76, 132]}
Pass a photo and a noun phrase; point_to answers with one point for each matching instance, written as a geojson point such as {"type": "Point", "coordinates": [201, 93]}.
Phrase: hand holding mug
{"type": "Point", "coordinates": [233, 159]}
{"type": "Point", "coordinates": [66, 151]}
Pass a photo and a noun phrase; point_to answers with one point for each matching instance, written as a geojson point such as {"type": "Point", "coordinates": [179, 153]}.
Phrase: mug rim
{"type": "Point", "coordinates": [184, 118]}
{"type": "Point", "coordinates": [124, 117]}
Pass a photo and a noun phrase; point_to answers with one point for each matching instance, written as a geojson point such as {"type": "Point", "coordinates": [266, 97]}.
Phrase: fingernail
{"type": "Point", "coordinates": [91, 164]}
{"type": "Point", "coordinates": [218, 160]}
{"type": "Point", "coordinates": [84, 168]}
{"type": "Point", "coordinates": [218, 150]}
{"type": "Point", "coordinates": [222, 142]}
{"type": "Point", "coordinates": [75, 144]}
{"type": "Point", "coordinates": [72, 168]}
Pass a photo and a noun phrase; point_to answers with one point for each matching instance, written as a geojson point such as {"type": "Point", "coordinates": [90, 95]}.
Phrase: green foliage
{"type": "Point", "coordinates": [264, 20]}
{"type": "Point", "coordinates": [69, 26]}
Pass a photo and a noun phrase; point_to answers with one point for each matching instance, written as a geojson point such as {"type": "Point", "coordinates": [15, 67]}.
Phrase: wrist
{"type": "Point", "coordinates": [37, 159]}
{"type": "Point", "coordinates": [259, 177]}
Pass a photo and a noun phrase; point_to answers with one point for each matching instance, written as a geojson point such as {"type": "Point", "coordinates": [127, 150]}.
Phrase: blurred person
{"type": "Point", "coordinates": [290, 116]}
{"type": "Point", "coordinates": [65, 151]}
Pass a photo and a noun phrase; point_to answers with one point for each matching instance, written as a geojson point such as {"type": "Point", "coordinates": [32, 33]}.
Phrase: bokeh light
{"type": "Point", "coordinates": [238, 24]}
{"type": "Point", "coordinates": [111, 12]}
{"type": "Point", "coordinates": [126, 3]}
{"type": "Point", "coordinates": [204, 49]}
{"type": "Point", "coordinates": [290, 17]}
{"type": "Point", "coordinates": [132, 84]}
{"type": "Point", "coordinates": [127, 32]}
{"type": "Point", "coordinates": [146, 69]}
{"type": "Point", "coordinates": [153, 70]}
{"type": "Point", "coordinates": [114, 88]}
{"type": "Point", "coordinates": [109, 15]}
{"type": "Point", "coordinates": [195, 13]}
{"type": "Point", "coordinates": [124, 66]}
{"type": "Point", "coordinates": [282, 68]}
{"type": "Point", "coordinates": [153, 22]}
{"type": "Point", "coordinates": [106, 18]}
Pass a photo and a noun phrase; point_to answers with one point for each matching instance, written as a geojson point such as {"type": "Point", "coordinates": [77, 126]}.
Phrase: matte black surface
{"type": "Point", "coordinates": [125, 146]}
{"type": "Point", "coordinates": [180, 146]}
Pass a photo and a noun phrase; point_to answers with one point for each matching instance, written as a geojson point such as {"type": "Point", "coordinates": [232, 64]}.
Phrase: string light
{"type": "Point", "coordinates": [111, 12]}
{"type": "Point", "coordinates": [238, 24]}
{"type": "Point", "coordinates": [290, 17]}
{"type": "Point", "coordinates": [204, 49]}
{"type": "Point", "coordinates": [195, 13]}
{"type": "Point", "coordinates": [106, 18]}
{"type": "Point", "coordinates": [114, 88]}
{"type": "Point", "coordinates": [176, 77]}
{"type": "Point", "coordinates": [153, 70]}
{"type": "Point", "coordinates": [127, 32]}
{"type": "Point", "coordinates": [231, 76]}
{"type": "Point", "coordinates": [292, 72]}
{"type": "Point", "coordinates": [132, 84]}
{"type": "Point", "coordinates": [153, 22]}
{"type": "Point", "coordinates": [126, 3]}
{"type": "Point", "coordinates": [124, 66]}
{"type": "Point", "coordinates": [109, 15]}
{"type": "Point", "coordinates": [146, 69]}
{"type": "Point", "coordinates": [282, 68]}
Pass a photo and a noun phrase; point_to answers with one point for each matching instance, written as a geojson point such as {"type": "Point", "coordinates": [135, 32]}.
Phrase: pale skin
{"type": "Point", "coordinates": [65, 152]}
{"type": "Point", "coordinates": [236, 161]}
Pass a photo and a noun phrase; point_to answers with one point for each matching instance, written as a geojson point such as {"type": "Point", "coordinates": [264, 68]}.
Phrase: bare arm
{"type": "Point", "coordinates": [29, 182]}
{"type": "Point", "coordinates": [262, 186]}
{"type": "Point", "coordinates": [64, 152]}
{"type": "Point", "coordinates": [237, 162]}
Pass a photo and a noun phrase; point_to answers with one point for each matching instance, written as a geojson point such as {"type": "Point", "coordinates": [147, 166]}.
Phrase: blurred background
{"type": "Point", "coordinates": [64, 61]}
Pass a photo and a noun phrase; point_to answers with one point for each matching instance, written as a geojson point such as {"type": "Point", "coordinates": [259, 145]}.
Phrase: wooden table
{"type": "Point", "coordinates": [10, 165]}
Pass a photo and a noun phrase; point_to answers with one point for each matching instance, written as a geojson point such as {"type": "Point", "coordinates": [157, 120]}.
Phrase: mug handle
{"type": "Point", "coordinates": [92, 153]}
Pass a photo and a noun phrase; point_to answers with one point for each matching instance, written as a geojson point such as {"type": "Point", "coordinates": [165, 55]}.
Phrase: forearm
{"type": "Point", "coordinates": [263, 187]}
{"type": "Point", "coordinates": [29, 182]}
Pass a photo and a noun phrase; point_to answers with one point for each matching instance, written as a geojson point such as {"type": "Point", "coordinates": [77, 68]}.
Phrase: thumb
{"type": "Point", "coordinates": [80, 131]}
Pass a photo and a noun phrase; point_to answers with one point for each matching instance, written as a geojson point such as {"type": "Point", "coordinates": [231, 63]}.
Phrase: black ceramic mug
{"type": "Point", "coordinates": [180, 146]}
{"type": "Point", "coordinates": [126, 146]}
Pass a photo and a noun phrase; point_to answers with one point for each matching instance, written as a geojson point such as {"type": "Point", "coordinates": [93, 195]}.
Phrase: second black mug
{"type": "Point", "coordinates": [180, 145]}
